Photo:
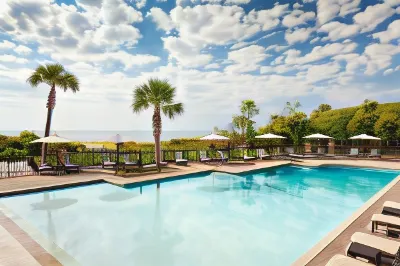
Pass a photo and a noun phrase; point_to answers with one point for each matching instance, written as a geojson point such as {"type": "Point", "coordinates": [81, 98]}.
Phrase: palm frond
{"type": "Point", "coordinates": [140, 98]}
{"type": "Point", "coordinates": [68, 81]}
{"type": "Point", "coordinates": [171, 110]}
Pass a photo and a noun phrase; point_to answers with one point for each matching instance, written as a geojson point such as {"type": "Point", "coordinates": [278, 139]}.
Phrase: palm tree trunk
{"type": "Point", "coordinates": [51, 103]}
{"type": "Point", "coordinates": [157, 133]}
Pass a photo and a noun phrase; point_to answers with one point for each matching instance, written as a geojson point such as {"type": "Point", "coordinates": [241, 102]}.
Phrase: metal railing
{"type": "Point", "coordinates": [19, 166]}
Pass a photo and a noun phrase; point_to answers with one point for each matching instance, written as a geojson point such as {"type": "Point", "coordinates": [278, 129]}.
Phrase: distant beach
{"type": "Point", "coordinates": [137, 136]}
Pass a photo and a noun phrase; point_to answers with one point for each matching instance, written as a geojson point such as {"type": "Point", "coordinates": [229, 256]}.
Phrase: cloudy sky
{"type": "Point", "coordinates": [216, 52]}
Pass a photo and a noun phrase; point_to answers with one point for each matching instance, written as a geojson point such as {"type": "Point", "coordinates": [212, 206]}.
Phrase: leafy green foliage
{"type": "Point", "coordinates": [240, 122]}
{"type": "Point", "coordinates": [293, 108]}
{"type": "Point", "coordinates": [250, 133]}
{"type": "Point", "coordinates": [297, 124]}
{"type": "Point", "coordinates": [333, 123]}
{"type": "Point", "coordinates": [321, 108]}
{"type": "Point", "coordinates": [388, 126]}
{"type": "Point", "coordinates": [249, 109]}
{"type": "Point", "coordinates": [364, 119]}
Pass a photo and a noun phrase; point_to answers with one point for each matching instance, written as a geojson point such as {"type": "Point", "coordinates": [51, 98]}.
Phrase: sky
{"type": "Point", "coordinates": [215, 52]}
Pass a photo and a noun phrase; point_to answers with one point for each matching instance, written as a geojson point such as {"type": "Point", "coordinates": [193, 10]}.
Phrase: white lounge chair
{"type": "Point", "coordinates": [390, 222]}
{"type": "Point", "coordinates": [289, 150]}
{"type": "Point", "coordinates": [374, 154]}
{"type": "Point", "coordinates": [204, 158]}
{"type": "Point", "coordinates": [179, 159]}
{"type": "Point", "coordinates": [341, 260]}
{"type": "Point", "coordinates": [107, 163]}
{"type": "Point", "coordinates": [128, 163]}
{"type": "Point", "coordinates": [223, 158]}
{"type": "Point", "coordinates": [354, 152]}
{"type": "Point", "coordinates": [248, 158]}
{"type": "Point", "coordinates": [387, 246]}
{"type": "Point", "coordinates": [262, 155]}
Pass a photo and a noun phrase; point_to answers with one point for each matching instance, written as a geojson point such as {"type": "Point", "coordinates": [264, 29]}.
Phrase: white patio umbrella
{"type": "Point", "coordinates": [270, 136]}
{"type": "Point", "coordinates": [365, 136]}
{"type": "Point", "coordinates": [51, 139]}
{"type": "Point", "coordinates": [317, 136]}
{"type": "Point", "coordinates": [214, 137]}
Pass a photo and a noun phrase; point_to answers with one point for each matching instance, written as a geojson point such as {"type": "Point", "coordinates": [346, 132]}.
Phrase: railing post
{"type": "Point", "coordinates": [8, 166]}
{"type": "Point", "coordinates": [140, 157]}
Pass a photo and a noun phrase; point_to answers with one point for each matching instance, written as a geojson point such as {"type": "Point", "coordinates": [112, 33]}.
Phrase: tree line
{"type": "Point", "coordinates": [370, 117]}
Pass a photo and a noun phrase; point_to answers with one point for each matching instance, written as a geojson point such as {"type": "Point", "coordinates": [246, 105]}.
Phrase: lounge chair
{"type": "Point", "coordinates": [248, 158]}
{"type": "Point", "coordinates": [321, 150]}
{"type": "Point", "coordinates": [107, 163]}
{"type": "Point", "coordinates": [204, 158]}
{"type": "Point", "coordinates": [69, 167]}
{"type": "Point", "coordinates": [391, 208]}
{"type": "Point", "coordinates": [354, 152]}
{"type": "Point", "coordinates": [390, 222]}
{"type": "Point", "coordinates": [289, 150]}
{"type": "Point", "coordinates": [44, 168]}
{"type": "Point", "coordinates": [262, 155]}
{"type": "Point", "coordinates": [128, 164]}
{"type": "Point", "coordinates": [374, 154]}
{"type": "Point", "coordinates": [179, 159]}
{"type": "Point", "coordinates": [223, 158]}
{"type": "Point", "coordinates": [388, 247]}
{"type": "Point", "coordinates": [341, 260]}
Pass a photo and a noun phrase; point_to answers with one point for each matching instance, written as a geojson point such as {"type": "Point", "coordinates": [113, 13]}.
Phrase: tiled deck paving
{"type": "Point", "coordinates": [30, 253]}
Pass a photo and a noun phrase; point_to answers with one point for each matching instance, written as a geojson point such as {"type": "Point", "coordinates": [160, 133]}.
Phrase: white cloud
{"type": "Point", "coordinates": [337, 30]}
{"type": "Point", "coordinates": [184, 53]}
{"type": "Point", "coordinates": [373, 16]}
{"type": "Point", "coordinates": [299, 35]}
{"type": "Point", "coordinates": [329, 9]}
{"type": "Point", "coordinates": [276, 48]}
{"type": "Point", "coordinates": [246, 59]}
{"type": "Point", "coordinates": [319, 73]}
{"type": "Point", "coordinates": [297, 5]}
{"type": "Point", "coordinates": [316, 39]}
{"type": "Point", "coordinates": [162, 20]}
{"type": "Point", "coordinates": [318, 53]}
{"type": "Point", "coordinates": [12, 59]}
{"type": "Point", "coordinates": [5, 45]}
{"type": "Point", "coordinates": [297, 17]}
{"type": "Point", "coordinates": [237, 2]}
{"type": "Point", "coordinates": [388, 72]}
{"type": "Point", "coordinates": [392, 2]}
{"type": "Point", "coordinates": [379, 56]}
{"type": "Point", "coordinates": [267, 18]}
{"type": "Point", "coordinates": [240, 45]}
{"type": "Point", "coordinates": [212, 66]}
{"type": "Point", "coordinates": [392, 32]}
{"type": "Point", "coordinates": [23, 50]}
{"type": "Point", "coordinates": [117, 12]}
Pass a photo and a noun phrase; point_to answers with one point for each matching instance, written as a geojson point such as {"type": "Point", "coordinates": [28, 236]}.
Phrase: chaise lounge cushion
{"type": "Point", "coordinates": [341, 260]}
{"type": "Point", "coordinates": [386, 245]}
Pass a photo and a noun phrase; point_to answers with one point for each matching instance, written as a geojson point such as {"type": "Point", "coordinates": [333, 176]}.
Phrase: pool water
{"type": "Point", "coordinates": [268, 217]}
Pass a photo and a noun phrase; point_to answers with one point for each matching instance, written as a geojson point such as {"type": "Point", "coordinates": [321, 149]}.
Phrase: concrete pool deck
{"type": "Point", "coordinates": [21, 245]}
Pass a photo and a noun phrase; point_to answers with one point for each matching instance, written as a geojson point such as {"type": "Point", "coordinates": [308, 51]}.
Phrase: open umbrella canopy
{"type": "Point", "coordinates": [214, 137]}
{"type": "Point", "coordinates": [317, 136]}
{"type": "Point", "coordinates": [270, 136]}
{"type": "Point", "coordinates": [51, 139]}
{"type": "Point", "coordinates": [365, 136]}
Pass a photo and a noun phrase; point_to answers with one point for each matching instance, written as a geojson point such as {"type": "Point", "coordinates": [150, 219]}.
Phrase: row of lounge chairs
{"type": "Point", "coordinates": [369, 249]}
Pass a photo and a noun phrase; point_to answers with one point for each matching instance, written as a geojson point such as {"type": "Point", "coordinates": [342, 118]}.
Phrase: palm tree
{"type": "Point", "coordinates": [53, 75]}
{"type": "Point", "coordinates": [158, 94]}
{"type": "Point", "coordinates": [240, 122]}
{"type": "Point", "coordinates": [293, 108]}
{"type": "Point", "coordinates": [249, 108]}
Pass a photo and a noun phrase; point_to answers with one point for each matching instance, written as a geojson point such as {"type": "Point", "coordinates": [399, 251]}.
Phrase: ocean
{"type": "Point", "coordinates": [137, 136]}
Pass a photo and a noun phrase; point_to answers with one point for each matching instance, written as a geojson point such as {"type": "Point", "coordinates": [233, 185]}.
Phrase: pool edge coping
{"type": "Point", "coordinates": [315, 250]}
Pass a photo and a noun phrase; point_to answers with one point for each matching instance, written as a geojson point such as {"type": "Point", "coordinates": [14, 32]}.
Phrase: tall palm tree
{"type": "Point", "coordinates": [53, 75]}
{"type": "Point", "coordinates": [158, 94]}
{"type": "Point", "coordinates": [249, 108]}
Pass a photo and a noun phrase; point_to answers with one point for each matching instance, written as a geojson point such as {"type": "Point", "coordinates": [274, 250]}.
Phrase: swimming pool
{"type": "Point", "coordinates": [267, 217]}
